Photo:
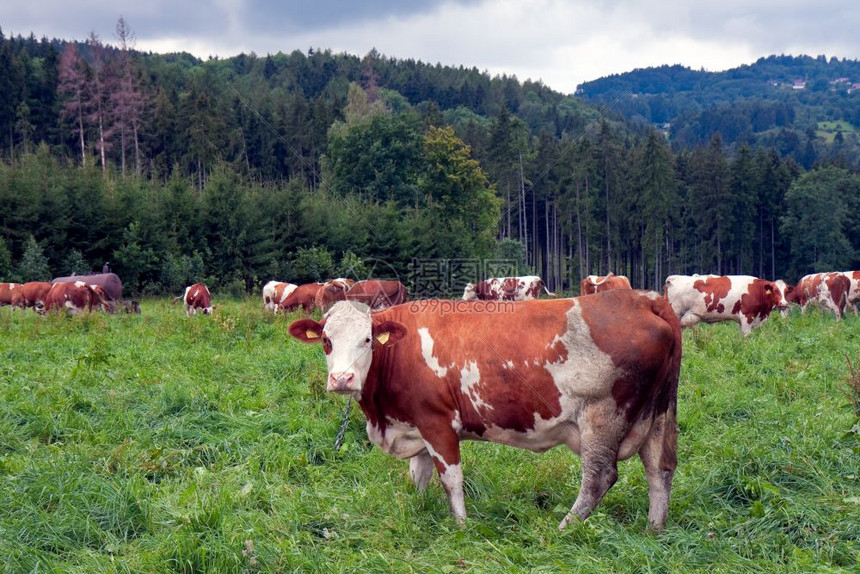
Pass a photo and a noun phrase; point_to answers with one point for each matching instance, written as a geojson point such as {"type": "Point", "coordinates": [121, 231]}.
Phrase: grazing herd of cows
{"type": "Point", "coordinates": [596, 373]}
{"type": "Point", "coordinates": [73, 294]}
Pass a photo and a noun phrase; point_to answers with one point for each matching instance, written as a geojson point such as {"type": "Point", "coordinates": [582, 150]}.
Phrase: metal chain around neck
{"type": "Point", "coordinates": [338, 441]}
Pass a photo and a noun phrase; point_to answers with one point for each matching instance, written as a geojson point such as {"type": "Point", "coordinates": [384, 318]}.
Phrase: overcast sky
{"type": "Point", "coordinates": [561, 42]}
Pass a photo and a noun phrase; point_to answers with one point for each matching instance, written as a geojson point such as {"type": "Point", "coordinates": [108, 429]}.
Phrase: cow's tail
{"type": "Point", "coordinates": [548, 292]}
{"type": "Point", "coordinates": [661, 307]}
{"type": "Point", "coordinates": [666, 400]}
{"type": "Point", "coordinates": [175, 299]}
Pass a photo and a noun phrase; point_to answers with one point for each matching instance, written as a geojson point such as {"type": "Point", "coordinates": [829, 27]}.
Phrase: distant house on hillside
{"type": "Point", "coordinates": [798, 84]}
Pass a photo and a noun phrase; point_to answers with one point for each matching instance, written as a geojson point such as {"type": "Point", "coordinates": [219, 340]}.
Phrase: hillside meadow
{"type": "Point", "coordinates": [159, 443]}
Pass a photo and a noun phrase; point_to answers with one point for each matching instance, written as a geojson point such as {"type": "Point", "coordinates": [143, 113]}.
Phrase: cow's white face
{"type": "Point", "coordinates": [469, 293]}
{"type": "Point", "coordinates": [348, 337]}
{"type": "Point", "coordinates": [783, 292]}
{"type": "Point", "coordinates": [348, 344]}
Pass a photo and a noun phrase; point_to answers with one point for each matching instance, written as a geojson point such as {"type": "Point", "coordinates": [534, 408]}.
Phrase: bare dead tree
{"type": "Point", "coordinates": [73, 83]}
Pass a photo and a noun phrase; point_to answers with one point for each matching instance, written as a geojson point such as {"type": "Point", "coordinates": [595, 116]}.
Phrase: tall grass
{"type": "Point", "coordinates": [159, 443]}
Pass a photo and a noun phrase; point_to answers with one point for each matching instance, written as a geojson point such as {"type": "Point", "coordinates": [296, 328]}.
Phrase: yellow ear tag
{"type": "Point", "coordinates": [311, 334]}
{"type": "Point", "coordinates": [383, 338]}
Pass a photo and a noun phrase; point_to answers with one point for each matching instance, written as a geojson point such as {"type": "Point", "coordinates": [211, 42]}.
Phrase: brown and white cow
{"type": "Point", "coordinates": [597, 284]}
{"type": "Point", "coordinates": [9, 294]}
{"type": "Point", "coordinates": [598, 374]}
{"type": "Point", "coordinates": [72, 297]}
{"type": "Point", "coordinates": [197, 298]}
{"type": "Point", "coordinates": [523, 288]}
{"type": "Point", "coordinates": [745, 299]}
{"type": "Point", "coordinates": [274, 292]}
{"type": "Point", "coordinates": [854, 290]}
{"type": "Point", "coordinates": [378, 293]}
{"type": "Point", "coordinates": [786, 291]}
{"type": "Point", "coordinates": [32, 294]}
{"type": "Point", "coordinates": [302, 296]}
{"type": "Point", "coordinates": [828, 290]}
{"type": "Point", "coordinates": [331, 292]}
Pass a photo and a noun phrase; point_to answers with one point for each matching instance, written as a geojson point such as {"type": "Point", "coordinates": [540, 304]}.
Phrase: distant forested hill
{"type": "Point", "coordinates": [807, 108]}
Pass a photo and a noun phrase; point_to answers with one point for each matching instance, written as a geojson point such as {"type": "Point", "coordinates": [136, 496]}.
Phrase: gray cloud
{"type": "Point", "coordinates": [306, 15]}
{"type": "Point", "coordinates": [75, 20]}
{"type": "Point", "coordinates": [563, 42]}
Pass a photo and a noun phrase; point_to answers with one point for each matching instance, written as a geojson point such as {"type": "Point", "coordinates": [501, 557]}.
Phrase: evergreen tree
{"type": "Point", "coordinates": [5, 261]}
{"type": "Point", "coordinates": [235, 232]}
{"type": "Point", "coordinates": [507, 149]}
{"type": "Point", "coordinates": [815, 219]}
{"type": "Point", "coordinates": [75, 264]}
{"type": "Point", "coordinates": [33, 265]}
{"type": "Point", "coordinates": [12, 87]}
{"type": "Point", "coordinates": [134, 260]}
{"type": "Point", "coordinates": [710, 206]}
{"type": "Point", "coordinates": [657, 206]}
{"type": "Point", "coordinates": [23, 127]}
{"type": "Point", "coordinates": [610, 167]}
{"type": "Point", "coordinates": [202, 126]}
{"type": "Point", "coordinates": [743, 197]}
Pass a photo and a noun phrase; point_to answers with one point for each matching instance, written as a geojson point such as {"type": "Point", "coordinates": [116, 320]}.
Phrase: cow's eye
{"type": "Point", "coordinates": [367, 340]}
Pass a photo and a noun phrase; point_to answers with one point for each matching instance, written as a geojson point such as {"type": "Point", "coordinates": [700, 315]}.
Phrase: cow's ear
{"type": "Point", "coordinates": [306, 331]}
{"type": "Point", "coordinates": [388, 333]}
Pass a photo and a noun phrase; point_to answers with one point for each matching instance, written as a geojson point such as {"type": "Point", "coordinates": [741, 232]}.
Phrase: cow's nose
{"type": "Point", "coordinates": [341, 382]}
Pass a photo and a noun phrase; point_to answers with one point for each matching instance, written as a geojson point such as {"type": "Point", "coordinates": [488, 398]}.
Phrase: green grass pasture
{"type": "Point", "coordinates": [159, 443]}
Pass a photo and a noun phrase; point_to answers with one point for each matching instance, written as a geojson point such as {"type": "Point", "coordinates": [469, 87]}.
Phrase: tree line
{"type": "Point", "coordinates": [307, 166]}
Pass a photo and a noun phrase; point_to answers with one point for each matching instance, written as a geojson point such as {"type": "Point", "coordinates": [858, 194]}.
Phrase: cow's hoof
{"type": "Point", "coordinates": [568, 520]}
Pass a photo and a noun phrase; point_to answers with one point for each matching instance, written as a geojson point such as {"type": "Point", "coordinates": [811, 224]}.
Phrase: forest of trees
{"type": "Point", "coordinates": [310, 165]}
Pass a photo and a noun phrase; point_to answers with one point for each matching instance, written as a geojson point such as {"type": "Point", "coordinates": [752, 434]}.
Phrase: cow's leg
{"type": "Point", "coordinates": [599, 445]}
{"type": "Point", "coordinates": [421, 470]}
{"type": "Point", "coordinates": [599, 473]}
{"type": "Point", "coordinates": [445, 452]}
{"type": "Point", "coordinates": [659, 457]}
{"type": "Point", "coordinates": [839, 310]}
